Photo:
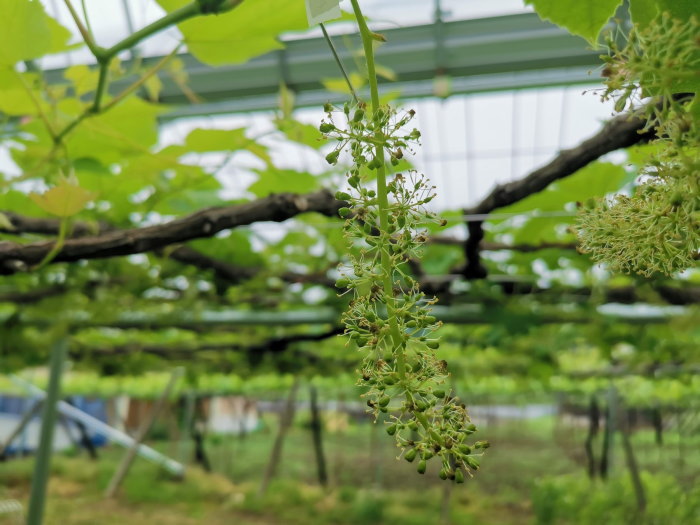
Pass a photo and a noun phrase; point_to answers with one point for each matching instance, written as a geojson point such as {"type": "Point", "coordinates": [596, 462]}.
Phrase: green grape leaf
{"type": "Point", "coordinates": [299, 241]}
{"type": "Point", "coordinates": [83, 78]}
{"type": "Point", "coordinates": [387, 73]}
{"type": "Point", "coordinates": [644, 11]}
{"type": "Point", "coordinates": [112, 186]}
{"type": "Point", "coordinates": [154, 86]}
{"type": "Point", "coordinates": [339, 85]}
{"type": "Point", "coordinates": [27, 32]}
{"type": "Point", "coordinates": [274, 180]}
{"type": "Point", "coordinates": [59, 37]}
{"type": "Point", "coordinates": [302, 133]}
{"type": "Point", "coordinates": [235, 248]}
{"type": "Point", "coordinates": [64, 200]}
{"type": "Point", "coordinates": [440, 259]}
{"type": "Point", "coordinates": [585, 18]}
{"type": "Point", "coordinates": [189, 201]}
{"type": "Point", "coordinates": [681, 9]}
{"type": "Point", "coordinates": [14, 200]}
{"type": "Point", "coordinates": [147, 168]}
{"type": "Point", "coordinates": [16, 96]}
{"type": "Point", "coordinates": [594, 180]}
{"type": "Point", "coordinates": [129, 128]}
{"type": "Point", "coordinates": [206, 140]}
{"type": "Point", "coordinates": [190, 195]}
{"type": "Point", "coordinates": [539, 229]}
{"type": "Point", "coordinates": [190, 189]}
{"type": "Point", "coordinates": [247, 31]}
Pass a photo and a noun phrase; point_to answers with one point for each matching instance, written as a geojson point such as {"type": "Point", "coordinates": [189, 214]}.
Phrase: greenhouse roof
{"type": "Point", "coordinates": [467, 55]}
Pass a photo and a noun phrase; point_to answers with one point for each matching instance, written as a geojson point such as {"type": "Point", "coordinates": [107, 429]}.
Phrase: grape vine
{"type": "Point", "coordinates": [389, 318]}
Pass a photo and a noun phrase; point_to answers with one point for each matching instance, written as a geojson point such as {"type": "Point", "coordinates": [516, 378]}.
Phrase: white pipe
{"type": "Point", "coordinates": [104, 429]}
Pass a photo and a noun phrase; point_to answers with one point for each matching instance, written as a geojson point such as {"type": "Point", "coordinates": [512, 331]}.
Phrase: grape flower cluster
{"type": "Point", "coordinates": [656, 230]}
{"type": "Point", "coordinates": [389, 318]}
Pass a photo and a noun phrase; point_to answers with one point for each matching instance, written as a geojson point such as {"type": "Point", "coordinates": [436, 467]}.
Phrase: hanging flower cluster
{"type": "Point", "coordinates": [389, 318]}
{"type": "Point", "coordinates": [657, 229]}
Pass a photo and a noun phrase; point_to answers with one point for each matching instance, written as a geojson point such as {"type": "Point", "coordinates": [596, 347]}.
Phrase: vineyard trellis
{"type": "Point", "coordinates": [73, 249]}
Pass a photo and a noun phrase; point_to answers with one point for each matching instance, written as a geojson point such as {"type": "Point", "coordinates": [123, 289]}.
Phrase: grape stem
{"type": "Point", "coordinates": [382, 199]}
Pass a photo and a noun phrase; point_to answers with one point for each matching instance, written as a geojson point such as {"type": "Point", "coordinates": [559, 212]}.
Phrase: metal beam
{"type": "Point", "coordinates": [488, 54]}
{"type": "Point", "coordinates": [457, 314]}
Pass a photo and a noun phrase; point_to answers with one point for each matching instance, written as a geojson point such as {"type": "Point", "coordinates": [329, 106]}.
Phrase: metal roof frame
{"type": "Point", "coordinates": [480, 55]}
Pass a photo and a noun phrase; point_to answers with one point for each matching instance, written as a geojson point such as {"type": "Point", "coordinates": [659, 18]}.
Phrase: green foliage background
{"type": "Point", "coordinates": [114, 162]}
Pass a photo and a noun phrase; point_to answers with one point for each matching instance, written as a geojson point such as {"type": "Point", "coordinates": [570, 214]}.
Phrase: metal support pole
{"type": "Point", "coordinates": [610, 427]}
{"type": "Point", "coordinates": [186, 425]}
{"type": "Point", "coordinates": [286, 420]}
{"type": "Point", "coordinates": [49, 415]}
{"type": "Point", "coordinates": [317, 434]}
{"type": "Point", "coordinates": [26, 418]}
{"type": "Point", "coordinates": [130, 455]}
{"type": "Point", "coordinates": [632, 461]}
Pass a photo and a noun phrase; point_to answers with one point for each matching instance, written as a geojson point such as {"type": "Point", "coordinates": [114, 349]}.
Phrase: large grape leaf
{"type": "Point", "coordinates": [249, 30]}
{"type": "Point", "coordinates": [27, 32]}
{"type": "Point", "coordinates": [681, 9]}
{"type": "Point", "coordinates": [83, 78]}
{"type": "Point", "coordinates": [129, 128]}
{"type": "Point", "coordinates": [594, 180]}
{"type": "Point", "coordinates": [539, 229]}
{"type": "Point", "coordinates": [16, 98]}
{"type": "Point", "coordinates": [585, 18]}
{"type": "Point", "coordinates": [439, 259]}
{"type": "Point", "coordinates": [117, 187]}
{"type": "Point", "coordinates": [274, 180]}
{"type": "Point", "coordinates": [644, 11]}
{"type": "Point", "coordinates": [206, 140]}
{"type": "Point", "coordinates": [203, 140]}
{"type": "Point", "coordinates": [234, 248]}
{"type": "Point", "coordinates": [189, 201]}
{"type": "Point", "coordinates": [302, 133]}
{"type": "Point", "coordinates": [64, 200]}
{"type": "Point", "coordinates": [187, 189]}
